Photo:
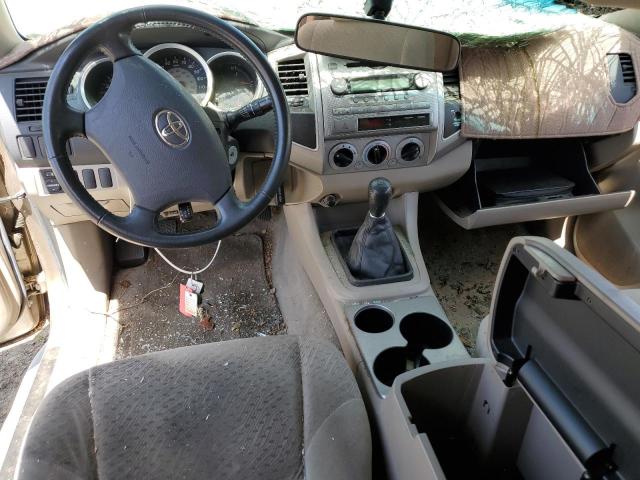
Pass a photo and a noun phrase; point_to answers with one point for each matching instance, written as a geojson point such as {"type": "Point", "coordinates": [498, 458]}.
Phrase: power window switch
{"type": "Point", "coordinates": [89, 179]}
{"type": "Point", "coordinates": [54, 188]}
{"type": "Point", "coordinates": [47, 173]}
{"type": "Point", "coordinates": [106, 181]}
{"type": "Point", "coordinates": [50, 181]}
{"type": "Point", "coordinates": [27, 147]}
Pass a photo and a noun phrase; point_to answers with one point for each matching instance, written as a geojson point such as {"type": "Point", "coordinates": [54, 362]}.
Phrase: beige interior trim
{"type": "Point", "coordinates": [615, 3]}
{"type": "Point", "coordinates": [610, 241]}
{"type": "Point", "coordinates": [556, 86]}
{"type": "Point", "coordinates": [329, 283]}
{"type": "Point", "coordinates": [9, 37]}
{"type": "Point", "coordinates": [629, 19]}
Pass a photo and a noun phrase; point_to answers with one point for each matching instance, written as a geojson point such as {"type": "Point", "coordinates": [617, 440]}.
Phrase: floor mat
{"type": "Point", "coordinates": [145, 298]}
{"type": "Point", "coordinates": [463, 265]}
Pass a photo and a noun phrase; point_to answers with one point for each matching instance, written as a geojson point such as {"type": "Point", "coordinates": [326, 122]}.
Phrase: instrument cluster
{"type": "Point", "coordinates": [226, 81]}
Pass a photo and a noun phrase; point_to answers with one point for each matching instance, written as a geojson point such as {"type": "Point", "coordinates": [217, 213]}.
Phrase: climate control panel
{"type": "Point", "coordinates": [386, 152]}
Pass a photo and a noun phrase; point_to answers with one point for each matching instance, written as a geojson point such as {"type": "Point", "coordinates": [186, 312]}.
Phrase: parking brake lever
{"type": "Point", "coordinates": [257, 108]}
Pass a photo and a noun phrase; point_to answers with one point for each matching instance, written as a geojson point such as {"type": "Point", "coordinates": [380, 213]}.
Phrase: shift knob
{"type": "Point", "coordinates": [380, 191]}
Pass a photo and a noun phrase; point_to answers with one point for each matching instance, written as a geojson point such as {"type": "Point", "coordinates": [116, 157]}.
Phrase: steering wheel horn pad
{"type": "Point", "coordinates": [158, 173]}
{"type": "Point", "coordinates": [155, 134]}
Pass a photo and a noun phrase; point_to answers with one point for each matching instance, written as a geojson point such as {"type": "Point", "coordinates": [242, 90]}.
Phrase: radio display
{"type": "Point", "coordinates": [397, 121]}
{"type": "Point", "coordinates": [387, 83]}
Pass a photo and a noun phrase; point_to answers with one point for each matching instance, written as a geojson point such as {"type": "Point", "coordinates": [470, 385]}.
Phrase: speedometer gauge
{"type": "Point", "coordinates": [186, 66]}
{"type": "Point", "coordinates": [235, 81]}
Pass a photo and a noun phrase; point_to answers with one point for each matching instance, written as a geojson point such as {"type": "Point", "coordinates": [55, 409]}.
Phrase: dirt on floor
{"type": "Point", "coordinates": [462, 265]}
{"type": "Point", "coordinates": [14, 363]}
{"type": "Point", "coordinates": [237, 295]}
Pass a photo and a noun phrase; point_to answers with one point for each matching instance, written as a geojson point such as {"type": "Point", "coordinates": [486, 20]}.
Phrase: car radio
{"type": "Point", "coordinates": [379, 83]}
{"type": "Point", "coordinates": [361, 98]}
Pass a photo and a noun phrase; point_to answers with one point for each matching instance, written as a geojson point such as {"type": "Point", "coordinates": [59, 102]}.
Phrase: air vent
{"type": "Point", "coordinates": [626, 64]}
{"type": "Point", "coordinates": [29, 97]}
{"type": "Point", "coordinates": [451, 82]}
{"type": "Point", "coordinates": [622, 77]}
{"type": "Point", "coordinates": [452, 103]}
{"type": "Point", "coordinates": [293, 77]}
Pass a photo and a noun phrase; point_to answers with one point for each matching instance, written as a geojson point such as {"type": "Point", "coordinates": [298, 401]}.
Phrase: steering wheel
{"type": "Point", "coordinates": [154, 132]}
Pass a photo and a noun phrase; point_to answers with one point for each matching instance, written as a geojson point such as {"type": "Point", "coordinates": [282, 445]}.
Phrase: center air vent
{"type": "Point", "coordinates": [452, 105]}
{"type": "Point", "coordinates": [29, 97]}
{"type": "Point", "coordinates": [293, 77]}
{"type": "Point", "coordinates": [622, 77]}
{"type": "Point", "coordinates": [451, 82]}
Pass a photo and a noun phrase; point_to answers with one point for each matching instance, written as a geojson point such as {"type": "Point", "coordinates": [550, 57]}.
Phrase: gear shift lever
{"type": "Point", "coordinates": [380, 191]}
{"type": "Point", "coordinates": [375, 252]}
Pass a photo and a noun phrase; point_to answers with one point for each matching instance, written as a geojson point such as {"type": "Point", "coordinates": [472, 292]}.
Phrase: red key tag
{"type": "Point", "coordinates": [188, 301]}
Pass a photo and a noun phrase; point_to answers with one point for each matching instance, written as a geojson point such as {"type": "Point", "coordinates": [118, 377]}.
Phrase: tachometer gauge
{"type": "Point", "coordinates": [95, 80]}
{"type": "Point", "coordinates": [235, 81]}
{"type": "Point", "coordinates": [186, 66]}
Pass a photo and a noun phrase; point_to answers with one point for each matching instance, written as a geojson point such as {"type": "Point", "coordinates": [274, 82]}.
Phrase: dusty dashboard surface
{"type": "Point", "coordinates": [385, 119]}
{"type": "Point", "coordinates": [351, 121]}
{"type": "Point", "coordinates": [576, 81]}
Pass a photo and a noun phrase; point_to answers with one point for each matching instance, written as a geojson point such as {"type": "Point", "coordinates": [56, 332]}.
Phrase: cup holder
{"type": "Point", "coordinates": [396, 360]}
{"type": "Point", "coordinates": [373, 320]}
{"type": "Point", "coordinates": [423, 330]}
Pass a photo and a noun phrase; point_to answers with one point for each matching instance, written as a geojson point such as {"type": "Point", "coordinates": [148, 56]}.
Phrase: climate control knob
{"type": "Point", "coordinates": [410, 150]}
{"type": "Point", "coordinates": [342, 155]}
{"type": "Point", "coordinates": [376, 152]}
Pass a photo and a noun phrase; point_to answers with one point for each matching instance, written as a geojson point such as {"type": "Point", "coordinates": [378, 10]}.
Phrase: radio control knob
{"type": "Point", "coordinates": [339, 86]}
{"type": "Point", "coordinates": [421, 81]}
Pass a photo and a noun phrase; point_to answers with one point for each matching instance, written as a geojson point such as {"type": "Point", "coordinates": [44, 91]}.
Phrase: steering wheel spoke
{"type": "Point", "coordinates": [229, 209]}
{"type": "Point", "coordinates": [73, 122]}
{"type": "Point", "coordinates": [140, 220]}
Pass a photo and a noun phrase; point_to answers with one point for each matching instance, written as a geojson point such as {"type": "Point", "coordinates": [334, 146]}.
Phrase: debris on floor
{"type": "Point", "coordinates": [463, 266]}
{"type": "Point", "coordinates": [14, 363]}
{"type": "Point", "coordinates": [238, 301]}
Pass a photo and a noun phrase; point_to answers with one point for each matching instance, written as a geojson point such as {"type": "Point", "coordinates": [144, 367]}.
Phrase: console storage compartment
{"type": "Point", "coordinates": [558, 399]}
{"type": "Point", "coordinates": [523, 180]}
{"type": "Point", "coordinates": [477, 427]}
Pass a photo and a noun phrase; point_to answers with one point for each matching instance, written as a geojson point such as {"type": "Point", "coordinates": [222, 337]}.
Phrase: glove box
{"type": "Point", "coordinates": [559, 399]}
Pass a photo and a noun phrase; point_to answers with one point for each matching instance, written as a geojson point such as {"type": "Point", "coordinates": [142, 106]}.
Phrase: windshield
{"type": "Point", "coordinates": [476, 21]}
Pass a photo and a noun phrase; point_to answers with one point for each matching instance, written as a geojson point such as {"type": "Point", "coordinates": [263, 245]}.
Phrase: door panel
{"type": "Point", "coordinates": [10, 296]}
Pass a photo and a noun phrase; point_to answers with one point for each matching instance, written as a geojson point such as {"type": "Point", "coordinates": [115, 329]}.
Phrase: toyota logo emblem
{"type": "Point", "coordinates": [172, 129]}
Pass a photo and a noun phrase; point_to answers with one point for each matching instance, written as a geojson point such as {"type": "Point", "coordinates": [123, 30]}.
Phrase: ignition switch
{"type": "Point", "coordinates": [330, 200]}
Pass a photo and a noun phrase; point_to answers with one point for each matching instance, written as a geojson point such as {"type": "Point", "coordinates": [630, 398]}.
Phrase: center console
{"type": "Point", "coordinates": [556, 398]}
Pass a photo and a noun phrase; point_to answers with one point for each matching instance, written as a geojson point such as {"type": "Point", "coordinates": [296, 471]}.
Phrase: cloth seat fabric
{"type": "Point", "coordinates": [281, 407]}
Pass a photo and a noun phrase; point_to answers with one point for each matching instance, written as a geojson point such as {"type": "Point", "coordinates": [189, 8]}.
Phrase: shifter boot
{"type": "Point", "coordinates": [375, 251]}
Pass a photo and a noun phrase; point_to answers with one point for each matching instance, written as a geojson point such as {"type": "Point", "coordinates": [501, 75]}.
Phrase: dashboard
{"type": "Point", "coordinates": [216, 78]}
{"type": "Point", "coordinates": [349, 121]}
